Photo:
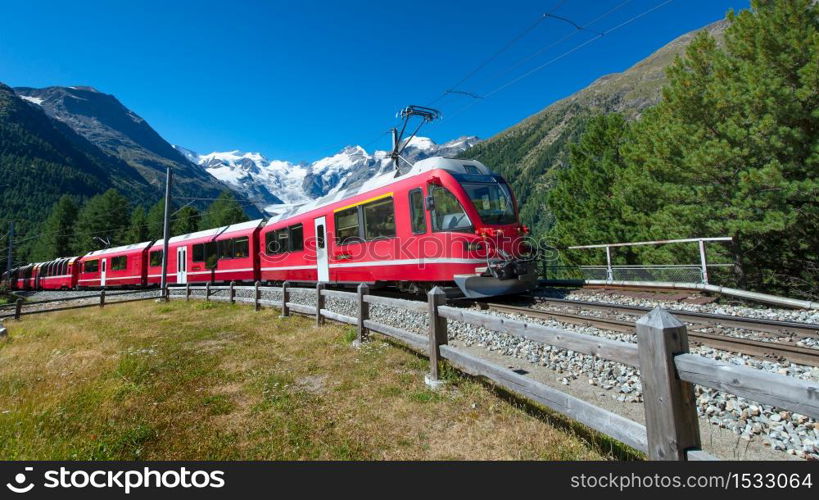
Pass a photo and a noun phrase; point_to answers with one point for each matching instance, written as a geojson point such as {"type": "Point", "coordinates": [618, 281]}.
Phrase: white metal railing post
{"type": "Point", "coordinates": [703, 262]}
{"type": "Point", "coordinates": [609, 272]}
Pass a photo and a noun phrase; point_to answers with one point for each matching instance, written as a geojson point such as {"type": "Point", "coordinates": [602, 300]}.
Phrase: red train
{"type": "Point", "coordinates": [443, 222]}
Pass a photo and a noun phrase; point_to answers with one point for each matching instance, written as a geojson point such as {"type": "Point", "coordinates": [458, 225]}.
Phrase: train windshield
{"type": "Point", "coordinates": [493, 202]}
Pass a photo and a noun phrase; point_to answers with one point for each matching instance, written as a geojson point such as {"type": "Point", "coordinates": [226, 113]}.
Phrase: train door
{"type": "Point", "coordinates": [103, 269]}
{"type": "Point", "coordinates": [182, 265]}
{"type": "Point", "coordinates": [322, 261]}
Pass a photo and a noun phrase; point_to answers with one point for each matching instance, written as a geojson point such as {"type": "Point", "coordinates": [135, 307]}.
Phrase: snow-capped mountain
{"type": "Point", "coordinates": [273, 183]}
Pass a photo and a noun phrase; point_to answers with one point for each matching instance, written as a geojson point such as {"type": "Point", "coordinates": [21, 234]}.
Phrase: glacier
{"type": "Point", "coordinates": [275, 185]}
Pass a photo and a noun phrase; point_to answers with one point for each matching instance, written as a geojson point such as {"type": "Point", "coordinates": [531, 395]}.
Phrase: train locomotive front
{"type": "Point", "coordinates": [487, 214]}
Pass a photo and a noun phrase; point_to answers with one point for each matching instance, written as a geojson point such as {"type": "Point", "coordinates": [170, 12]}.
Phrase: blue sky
{"type": "Point", "coordinates": [300, 80]}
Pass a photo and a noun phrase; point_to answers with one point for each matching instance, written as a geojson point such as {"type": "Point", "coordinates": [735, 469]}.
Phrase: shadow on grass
{"type": "Point", "coordinates": [597, 441]}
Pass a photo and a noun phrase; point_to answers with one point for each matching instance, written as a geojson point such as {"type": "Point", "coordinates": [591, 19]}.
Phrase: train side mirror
{"type": "Point", "coordinates": [430, 203]}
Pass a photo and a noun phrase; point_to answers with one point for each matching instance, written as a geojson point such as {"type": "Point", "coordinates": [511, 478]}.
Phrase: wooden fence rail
{"type": "Point", "coordinates": [104, 298]}
{"type": "Point", "coordinates": [667, 369]}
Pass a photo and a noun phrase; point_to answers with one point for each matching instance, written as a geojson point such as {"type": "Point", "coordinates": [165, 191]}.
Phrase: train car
{"type": "Point", "coordinates": [237, 254]}
{"type": "Point", "coordinates": [219, 255]}
{"type": "Point", "coordinates": [444, 221]}
{"type": "Point", "coordinates": [23, 279]}
{"type": "Point", "coordinates": [58, 274]}
{"type": "Point", "coordinates": [124, 266]}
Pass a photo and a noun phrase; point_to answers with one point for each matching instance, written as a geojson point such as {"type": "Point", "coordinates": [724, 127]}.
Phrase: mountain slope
{"type": "Point", "coordinates": [270, 183]}
{"type": "Point", "coordinates": [121, 133]}
{"type": "Point", "coordinates": [41, 159]}
{"type": "Point", "coordinates": [527, 153]}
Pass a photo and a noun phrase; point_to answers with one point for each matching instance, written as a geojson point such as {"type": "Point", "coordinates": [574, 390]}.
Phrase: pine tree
{"type": "Point", "coordinates": [582, 201]}
{"type": "Point", "coordinates": [733, 149]}
{"type": "Point", "coordinates": [224, 211]}
{"type": "Point", "coordinates": [104, 217]}
{"type": "Point", "coordinates": [156, 221]}
{"type": "Point", "coordinates": [56, 232]}
{"type": "Point", "coordinates": [185, 221]}
{"type": "Point", "coordinates": [138, 230]}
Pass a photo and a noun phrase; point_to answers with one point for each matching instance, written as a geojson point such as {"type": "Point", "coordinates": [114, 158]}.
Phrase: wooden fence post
{"type": "Point", "coordinates": [671, 412]}
{"type": "Point", "coordinates": [363, 314]}
{"type": "Point", "coordinates": [167, 293]}
{"type": "Point", "coordinates": [437, 335]}
{"type": "Point", "coordinates": [257, 295]}
{"type": "Point", "coordinates": [187, 292]}
{"type": "Point", "coordinates": [285, 300]}
{"type": "Point", "coordinates": [319, 303]}
{"type": "Point", "coordinates": [207, 291]}
{"type": "Point", "coordinates": [102, 299]}
{"type": "Point", "coordinates": [18, 309]}
{"type": "Point", "coordinates": [232, 292]}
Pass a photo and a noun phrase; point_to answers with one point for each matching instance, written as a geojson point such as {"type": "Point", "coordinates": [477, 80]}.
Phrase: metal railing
{"type": "Point", "coordinates": [682, 273]}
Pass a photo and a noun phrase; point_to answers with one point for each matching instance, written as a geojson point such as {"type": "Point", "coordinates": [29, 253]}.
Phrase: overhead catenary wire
{"type": "Point", "coordinates": [557, 42]}
{"type": "Point", "coordinates": [498, 52]}
{"type": "Point", "coordinates": [562, 55]}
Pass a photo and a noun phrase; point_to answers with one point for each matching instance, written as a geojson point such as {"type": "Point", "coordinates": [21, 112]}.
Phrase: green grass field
{"type": "Point", "coordinates": [213, 381]}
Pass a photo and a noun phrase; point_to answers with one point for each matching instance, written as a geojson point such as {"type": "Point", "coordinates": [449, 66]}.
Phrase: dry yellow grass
{"type": "Point", "coordinates": [215, 381]}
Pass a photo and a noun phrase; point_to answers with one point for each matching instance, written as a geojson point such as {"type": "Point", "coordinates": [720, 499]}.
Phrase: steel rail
{"type": "Point", "coordinates": [709, 319]}
{"type": "Point", "coordinates": [757, 348]}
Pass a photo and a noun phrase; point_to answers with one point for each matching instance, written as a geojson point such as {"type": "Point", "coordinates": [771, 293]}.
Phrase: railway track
{"type": "Point", "coordinates": [756, 348]}
{"type": "Point", "coordinates": [785, 328]}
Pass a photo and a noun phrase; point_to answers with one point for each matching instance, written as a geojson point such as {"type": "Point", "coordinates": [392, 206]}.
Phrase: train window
{"type": "Point", "coordinates": [472, 170]}
{"type": "Point", "coordinates": [493, 202]}
{"type": "Point", "coordinates": [198, 254]}
{"type": "Point", "coordinates": [447, 214]}
{"type": "Point", "coordinates": [207, 253]}
{"type": "Point", "coordinates": [240, 247]}
{"type": "Point", "coordinates": [271, 243]}
{"type": "Point", "coordinates": [296, 237]}
{"type": "Point", "coordinates": [225, 249]}
{"type": "Point", "coordinates": [320, 236]}
{"type": "Point", "coordinates": [417, 216]}
{"type": "Point", "coordinates": [91, 266]}
{"type": "Point", "coordinates": [379, 219]}
{"type": "Point", "coordinates": [119, 263]}
{"type": "Point", "coordinates": [283, 240]}
{"type": "Point", "coordinates": [347, 227]}
{"type": "Point", "coordinates": [155, 258]}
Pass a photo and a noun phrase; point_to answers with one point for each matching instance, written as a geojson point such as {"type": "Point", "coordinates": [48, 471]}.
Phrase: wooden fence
{"type": "Point", "coordinates": [667, 369]}
{"type": "Point", "coordinates": [21, 308]}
